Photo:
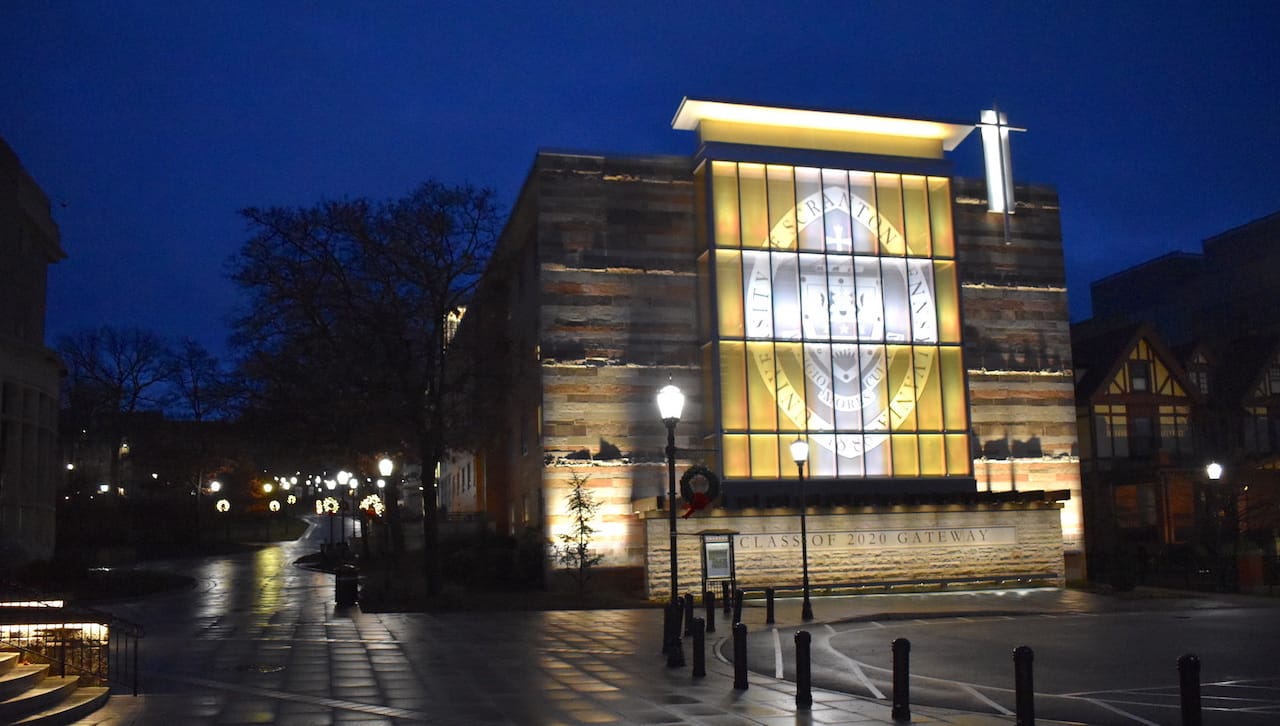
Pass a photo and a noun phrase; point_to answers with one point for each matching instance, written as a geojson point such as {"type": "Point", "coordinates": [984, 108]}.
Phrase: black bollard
{"type": "Point", "coordinates": [688, 615]}
{"type": "Point", "coordinates": [699, 648]}
{"type": "Point", "coordinates": [724, 595]}
{"type": "Point", "coordinates": [768, 606]}
{"type": "Point", "coordinates": [1189, 687]}
{"type": "Point", "coordinates": [740, 656]}
{"type": "Point", "coordinates": [675, 649]}
{"type": "Point", "coordinates": [804, 681]}
{"type": "Point", "coordinates": [666, 628]}
{"type": "Point", "coordinates": [901, 679]}
{"type": "Point", "coordinates": [1024, 688]}
{"type": "Point", "coordinates": [709, 599]}
{"type": "Point", "coordinates": [737, 607]}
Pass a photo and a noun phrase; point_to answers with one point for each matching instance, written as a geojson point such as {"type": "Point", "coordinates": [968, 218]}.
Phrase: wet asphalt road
{"type": "Point", "coordinates": [1096, 660]}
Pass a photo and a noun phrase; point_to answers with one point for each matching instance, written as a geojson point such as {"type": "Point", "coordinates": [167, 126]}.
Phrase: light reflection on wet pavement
{"type": "Point", "coordinates": [259, 640]}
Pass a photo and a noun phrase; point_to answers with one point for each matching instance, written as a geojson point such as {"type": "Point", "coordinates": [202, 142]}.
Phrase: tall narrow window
{"type": "Point", "coordinates": [1139, 375]}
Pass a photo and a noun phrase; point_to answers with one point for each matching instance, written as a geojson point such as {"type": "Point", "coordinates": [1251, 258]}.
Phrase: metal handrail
{"type": "Point", "coordinates": [80, 640]}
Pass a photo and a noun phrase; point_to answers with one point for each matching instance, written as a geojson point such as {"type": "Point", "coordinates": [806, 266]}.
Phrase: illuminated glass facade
{"type": "Point", "coordinates": [833, 314]}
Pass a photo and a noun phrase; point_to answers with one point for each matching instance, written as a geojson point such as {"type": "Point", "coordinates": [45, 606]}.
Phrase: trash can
{"type": "Point", "coordinates": [346, 585]}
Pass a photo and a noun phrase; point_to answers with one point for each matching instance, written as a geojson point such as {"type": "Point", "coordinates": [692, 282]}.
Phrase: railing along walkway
{"type": "Point", "coordinates": [99, 647]}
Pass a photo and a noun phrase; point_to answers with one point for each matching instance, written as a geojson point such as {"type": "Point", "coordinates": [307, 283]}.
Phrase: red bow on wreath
{"type": "Point", "coordinates": [700, 501]}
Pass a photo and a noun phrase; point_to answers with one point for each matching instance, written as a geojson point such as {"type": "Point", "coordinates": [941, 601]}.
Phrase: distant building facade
{"type": "Point", "coordinates": [1179, 368]}
{"type": "Point", "coordinates": [795, 280]}
{"type": "Point", "coordinates": [30, 373]}
{"type": "Point", "coordinates": [1226, 291]}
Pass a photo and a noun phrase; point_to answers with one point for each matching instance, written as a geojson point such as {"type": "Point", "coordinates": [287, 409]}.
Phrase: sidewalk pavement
{"type": "Point", "coordinates": [589, 667]}
{"type": "Point", "coordinates": [311, 663]}
{"type": "Point", "coordinates": [260, 641]}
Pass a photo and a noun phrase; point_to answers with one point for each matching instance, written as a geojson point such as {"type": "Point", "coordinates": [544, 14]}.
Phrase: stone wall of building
{"type": "Point", "coordinates": [618, 319]}
{"type": "Point", "coordinates": [866, 545]}
{"type": "Point", "coordinates": [619, 534]}
{"type": "Point", "coordinates": [1017, 331]}
{"type": "Point", "coordinates": [617, 272]}
{"type": "Point", "coordinates": [30, 373]}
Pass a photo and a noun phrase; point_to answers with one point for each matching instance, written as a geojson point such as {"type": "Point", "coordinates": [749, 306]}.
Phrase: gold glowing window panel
{"type": "Point", "coordinates": [837, 319]}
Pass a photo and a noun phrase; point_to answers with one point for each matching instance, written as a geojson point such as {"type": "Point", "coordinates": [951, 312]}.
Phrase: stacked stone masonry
{"type": "Point", "coordinates": [867, 547]}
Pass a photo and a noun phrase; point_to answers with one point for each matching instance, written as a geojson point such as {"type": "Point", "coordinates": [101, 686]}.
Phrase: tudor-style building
{"type": "Point", "coordinates": [1205, 323]}
{"type": "Point", "coordinates": [803, 274]}
{"type": "Point", "coordinates": [1139, 465]}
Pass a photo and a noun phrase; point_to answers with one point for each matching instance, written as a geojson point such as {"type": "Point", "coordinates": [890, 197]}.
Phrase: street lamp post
{"type": "Point", "coordinates": [223, 506]}
{"type": "Point", "coordinates": [215, 486]}
{"type": "Point", "coordinates": [1213, 470]}
{"type": "Point", "coordinates": [274, 506]}
{"type": "Point", "coordinates": [342, 478]}
{"type": "Point", "coordinates": [670, 404]}
{"type": "Point", "coordinates": [1227, 500]}
{"type": "Point", "coordinates": [353, 485]}
{"type": "Point", "coordinates": [199, 503]}
{"type": "Point", "coordinates": [330, 485]}
{"type": "Point", "coordinates": [385, 467]}
{"type": "Point", "coordinates": [800, 454]}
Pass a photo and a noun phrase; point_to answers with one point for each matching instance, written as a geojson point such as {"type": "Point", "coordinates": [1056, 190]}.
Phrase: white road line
{"type": "Point", "coordinates": [1120, 711]}
{"type": "Point", "coordinates": [777, 654]}
{"type": "Point", "coordinates": [866, 682]}
{"type": "Point", "coordinates": [982, 697]}
{"type": "Point", "coordinates": [854, 666]}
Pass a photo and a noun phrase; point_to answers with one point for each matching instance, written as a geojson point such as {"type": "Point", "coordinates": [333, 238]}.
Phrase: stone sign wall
{"type": "Point", "coordinates": [850, 546]}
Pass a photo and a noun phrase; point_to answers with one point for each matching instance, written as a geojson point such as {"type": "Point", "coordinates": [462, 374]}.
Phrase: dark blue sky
{"type": "Point", "coordinates": [149, 124]}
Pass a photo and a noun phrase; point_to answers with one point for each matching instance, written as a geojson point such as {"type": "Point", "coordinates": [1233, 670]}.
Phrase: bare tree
{"type": "Point", "coordinates": [200, 388]}
{"type": "Point", "coordinates": [112, 374]}
{"type": "Point", "coordinates": [342, 339]}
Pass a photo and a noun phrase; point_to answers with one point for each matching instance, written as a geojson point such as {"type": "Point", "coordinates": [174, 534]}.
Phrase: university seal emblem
{"type": "Point", "coordinates": [853, 309]}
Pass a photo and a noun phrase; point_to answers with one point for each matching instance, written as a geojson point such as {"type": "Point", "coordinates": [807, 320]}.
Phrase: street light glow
{"type": "Point", "coordinates": [670, 403]}
{"type": "Point", "coordinates": [799, 451]}
{"type": "Point", "coordinates": [1214, 470]}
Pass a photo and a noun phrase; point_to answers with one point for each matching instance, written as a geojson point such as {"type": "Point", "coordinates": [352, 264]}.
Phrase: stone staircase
{"type": "Point", "coordinates": [29, 695]}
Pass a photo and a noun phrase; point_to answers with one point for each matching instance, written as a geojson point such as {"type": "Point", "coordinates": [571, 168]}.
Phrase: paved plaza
{"type": "Point", "coordinates": [259, 640]}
